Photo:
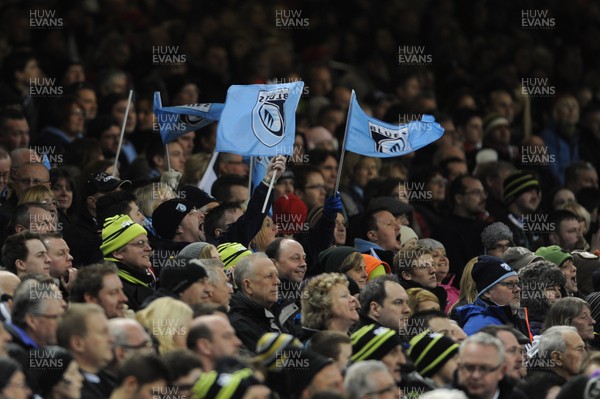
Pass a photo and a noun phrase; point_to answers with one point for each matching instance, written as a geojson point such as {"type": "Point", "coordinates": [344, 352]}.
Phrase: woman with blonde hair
{"type": "Point", "coordinates": [420, 300]}
{"type": "Point", "coordinates": [265, 235]}
{"type": "Point", "coordinates": [468, 289]}
{"type": "Point", "coordinates": [167, 319]}
{"type": "Point", "coordinates": [41, 195]}
{"type": "Point", "coordinates": [150, 196]}
{"type": "Point", "coordinates": [328, 305]}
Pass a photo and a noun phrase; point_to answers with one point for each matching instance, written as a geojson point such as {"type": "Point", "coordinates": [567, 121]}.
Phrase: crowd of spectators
{"type": "Point", "coordinates": [469, 268]}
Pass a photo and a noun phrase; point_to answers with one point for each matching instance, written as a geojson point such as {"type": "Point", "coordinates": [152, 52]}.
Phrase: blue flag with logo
{"type": "Point", "coordinates": [259, 120]}
{"type": "Point", "coordinates": [181, 119]}
{"type": "Point", "coordinates": [371, 137]}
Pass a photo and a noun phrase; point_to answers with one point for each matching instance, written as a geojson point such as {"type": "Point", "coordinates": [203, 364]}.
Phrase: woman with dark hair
{"type": "Point", "coordinates": [65, 191]}
{"type": "Point", "coordinates": [13, 384]}
{"type": "Point", "coordinates": [54, 373]}
{"type": "Point", "coordinates": [542, 285]}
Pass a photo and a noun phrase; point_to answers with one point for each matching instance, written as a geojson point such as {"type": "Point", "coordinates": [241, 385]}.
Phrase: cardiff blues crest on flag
{"type": "Point", "coordinates": [181, 119]}
{"type": "Point", "coordinates": [259, 120]}
{"type": "Point", "coordinates": [371, 137]}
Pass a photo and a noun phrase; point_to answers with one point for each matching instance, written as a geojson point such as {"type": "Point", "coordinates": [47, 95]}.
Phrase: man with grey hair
{"type": "Point", "coordinates": [222, 290]}
{"type": "Point", "coordinates": [369, 378]}
{"type": "Point", "coordinates": [384, 301]}
{"type": "Point", "coordinates": [129, 337]}
{"type": "Point", "coordinates": [257, 280]}
{"type": "Point", "coordinates": [37, 306]}
{"type": "Point", "coordinates": [561, 351]}
{"type": "Point", "coordinates": [481, 367]}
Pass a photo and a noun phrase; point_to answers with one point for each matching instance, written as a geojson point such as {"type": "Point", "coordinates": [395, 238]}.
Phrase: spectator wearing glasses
{"type": "Point", "coordinates": [27, 175]}
{"type": "Point", "coordinates": [126, 244]}
{"type": "Point", "coordinates": [310, 186]}
{"type": "Point", "coordinates": [461, 230]}
{"type": "Point", "coordinates": [482, 368]}
{"type": "Point", "coordinates": [129, 337]}
{"type": "Point", "coordinates": [498, 298]}
{"type": "Point", "coordinates": [37, 306]}
{"type": "Point", "coordinates": [370, 378]}
{"type": "Point", "coordinates": [416, 270]}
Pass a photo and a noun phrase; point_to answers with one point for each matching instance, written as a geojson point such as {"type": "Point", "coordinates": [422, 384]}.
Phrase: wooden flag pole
{"type": "Point", "coordinates": [339, 174]}
{"type": "Point", "coordinates": [122, 132]}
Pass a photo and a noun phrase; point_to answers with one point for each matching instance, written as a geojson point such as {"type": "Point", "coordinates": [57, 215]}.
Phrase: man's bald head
{"type": "Point", "coordinates": [8, 282]}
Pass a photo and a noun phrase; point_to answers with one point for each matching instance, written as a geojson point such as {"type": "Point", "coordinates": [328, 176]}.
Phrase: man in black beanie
{"type": "Point", "coordinates": [183, 279]}
{"type": "Point", "coordinates": [522, 198]}
{"type": "Point", "coordinates": [498, 298]}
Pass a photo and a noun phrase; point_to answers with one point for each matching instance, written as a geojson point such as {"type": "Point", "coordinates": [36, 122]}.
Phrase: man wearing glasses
{"type": "Point", "coordinates": [129, 337]}
{"type": "Point", "coordinates": [37, 306]}
{"type": "Point", "coordinates": [125, 243]}
{"type": "Point", "coordinates": [370, 379]}
{"type": "Point", "coordinates": [497, 302]}
{"type": "Point", "coordinates": [460, 232]}
{"type": "Point", "coordinates": [31, 173]}
{"type": "Point", "coordinates": [481, 367]}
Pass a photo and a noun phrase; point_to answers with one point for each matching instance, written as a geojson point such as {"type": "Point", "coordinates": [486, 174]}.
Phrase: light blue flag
{"type": "Point", "coordinates": [371, 137]}
{"type": "Point", "coordinates": [259, 120]}
{"type": "Point", "coordinates": [181, 119]}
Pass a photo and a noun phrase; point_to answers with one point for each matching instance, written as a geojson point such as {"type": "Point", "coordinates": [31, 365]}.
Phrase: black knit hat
{"type": "Point", "coordinates": [179, 277]}
{"type": "Point", "coordinates": [518, 183]}
{"type": "Point", "coordinates": [331, 258]}
{"type": "Point", "coordinates": [429, 352]}
{"type": "Point", "coordinates": [489, 271]}
{"type": "Point", "coordinates": [373, 342]}
{"type": "Point", "coordinates": [168, 215]}
{"type": "Point", "coordinates": [295, 371]}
